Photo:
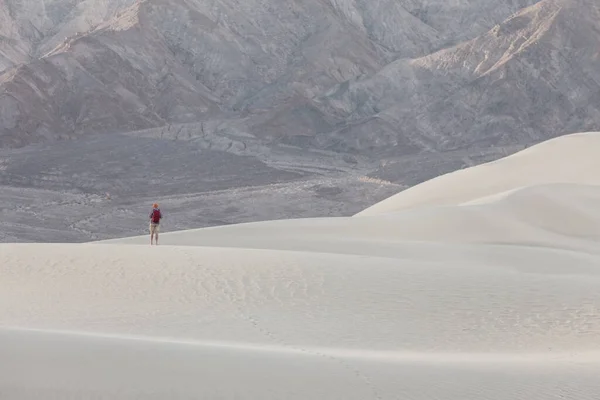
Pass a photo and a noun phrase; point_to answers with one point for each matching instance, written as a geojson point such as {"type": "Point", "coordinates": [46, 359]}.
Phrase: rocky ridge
{"type": "Point", "coordinates": [354, 76]}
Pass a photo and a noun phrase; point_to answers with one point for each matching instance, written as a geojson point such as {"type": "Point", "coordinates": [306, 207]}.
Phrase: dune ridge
{"type": "Point", "coordinates": [568, 159]}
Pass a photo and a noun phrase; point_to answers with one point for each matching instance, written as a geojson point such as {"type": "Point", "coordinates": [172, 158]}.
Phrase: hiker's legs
{"type": "Point", "coordinates": [153, 232]}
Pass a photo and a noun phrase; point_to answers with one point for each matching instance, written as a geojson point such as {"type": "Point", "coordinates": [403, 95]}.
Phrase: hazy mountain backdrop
{"type": "Point", "coordinates": [309, 107]}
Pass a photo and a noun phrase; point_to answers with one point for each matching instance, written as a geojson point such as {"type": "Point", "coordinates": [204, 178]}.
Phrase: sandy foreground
{"type": "Point", "coordinates": [481, 284]}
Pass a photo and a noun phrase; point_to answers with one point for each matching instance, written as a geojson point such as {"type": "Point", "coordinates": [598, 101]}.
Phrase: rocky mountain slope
{"type": "Point", "coordinates": [531, 77]}
{"type": "Point", "coordinates": [344, 75]}
{"type": "Point", "coordinates": [229, 111]}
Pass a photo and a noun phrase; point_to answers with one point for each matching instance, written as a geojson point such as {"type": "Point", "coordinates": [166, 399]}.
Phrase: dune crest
{"type": "Point", "coordinates": [571, 159]}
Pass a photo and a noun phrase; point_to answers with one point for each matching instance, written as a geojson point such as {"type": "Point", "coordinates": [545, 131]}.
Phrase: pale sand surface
{"type": "Point", "coordinates": [486, 293]}
{"type": "Point", "coordinates": [567, 159]}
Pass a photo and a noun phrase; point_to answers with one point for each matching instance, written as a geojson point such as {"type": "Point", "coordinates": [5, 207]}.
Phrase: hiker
{"type": "Point", "coordinates": [155, 217]}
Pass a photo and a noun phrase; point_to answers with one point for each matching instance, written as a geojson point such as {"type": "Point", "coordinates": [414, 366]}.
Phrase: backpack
{"type": "Point", "coordinates": [156, 216]}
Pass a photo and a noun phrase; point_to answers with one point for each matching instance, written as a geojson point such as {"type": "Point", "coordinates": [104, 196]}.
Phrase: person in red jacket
{"type": "Point", "coordinates": [155, 217]}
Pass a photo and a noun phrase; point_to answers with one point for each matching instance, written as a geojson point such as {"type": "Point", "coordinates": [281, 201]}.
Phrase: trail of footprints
{"type": "Point", "coordinates": [228, 293]}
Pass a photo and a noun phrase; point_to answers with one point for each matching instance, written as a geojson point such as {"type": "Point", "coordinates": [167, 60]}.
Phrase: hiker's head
{"type": "Point", "coordinates": [155, 205]}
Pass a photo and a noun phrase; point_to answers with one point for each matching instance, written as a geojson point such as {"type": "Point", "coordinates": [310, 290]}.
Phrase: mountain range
{"type": "Point", "coordinates": [344, 75]}
{"type": "Point", "coordinates": [395, 90]}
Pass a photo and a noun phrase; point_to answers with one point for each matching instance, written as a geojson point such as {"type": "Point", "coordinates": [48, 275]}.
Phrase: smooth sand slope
{"type": "Point", "coordinates": [571, 159]}
{"type": "Point", "coordinates": [486, 293]}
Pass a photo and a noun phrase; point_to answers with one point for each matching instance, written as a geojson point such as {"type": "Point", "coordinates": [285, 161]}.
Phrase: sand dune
{"type": "Point", "coordinates": [557, 215]}
{"type": "Point", "coordinates": [482, 284]}
{"type": "Point", "coordinates": [205, 321]}
{"type": "Point", "coordinates": [569, 159]}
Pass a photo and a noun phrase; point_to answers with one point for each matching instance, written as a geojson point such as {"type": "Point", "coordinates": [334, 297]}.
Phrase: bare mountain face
{"type": "Point", "coordinates": [100, 66]}
{"type": "Point", "coordinates": [30, 29]}
{"type": "Point", "coordinates": [531, 77]}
